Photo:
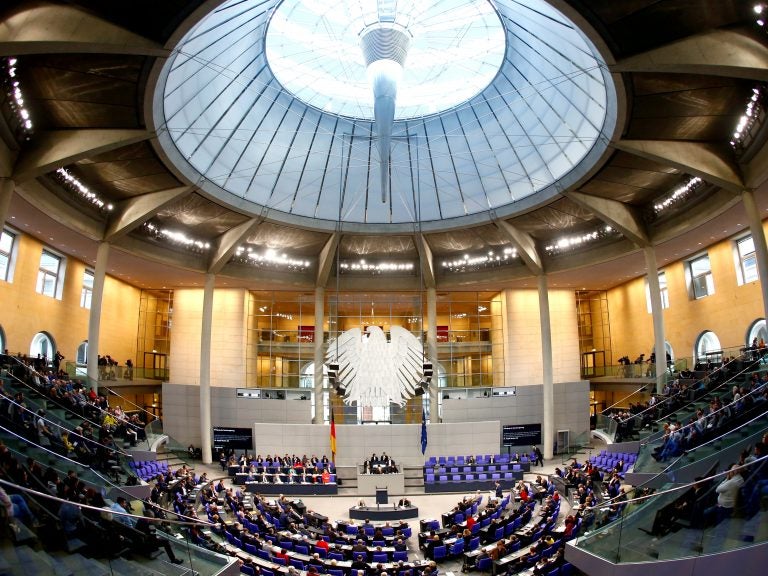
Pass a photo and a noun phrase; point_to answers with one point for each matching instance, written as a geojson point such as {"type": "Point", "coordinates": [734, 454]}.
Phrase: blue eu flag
{"type": "Point", "coordinates": [423, 431]}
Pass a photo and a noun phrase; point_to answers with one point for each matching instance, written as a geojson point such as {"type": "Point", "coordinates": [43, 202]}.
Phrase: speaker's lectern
{"type": "Point", "coordinates": [382, 497]}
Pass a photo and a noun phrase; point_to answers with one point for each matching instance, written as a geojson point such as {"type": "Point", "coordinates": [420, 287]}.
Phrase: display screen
{"type": "Point", "coordinates": [232, 438]}
{"type": "Point", "coordinates": [521, 434]}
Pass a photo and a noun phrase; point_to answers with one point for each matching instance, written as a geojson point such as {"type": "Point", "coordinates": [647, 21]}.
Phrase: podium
{"type": "Point", "coordinates": [382, 496]}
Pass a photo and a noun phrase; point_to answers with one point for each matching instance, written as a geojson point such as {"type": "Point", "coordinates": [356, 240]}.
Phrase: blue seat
{"type": "Point", "coordinates": [250, 548]}
{"type": "Point", "coordinates": [474, 542]}
{"type": "Point", "coordinates": [457, 548]}
{"type": "Point", "coordinates": [399, 555]}
{"type": "Point", "coordinates": [301, 549]}
{"type": "Point", "coordinates": [439, 553]}
{"type": "Point", "coordinates": [263, 554]}
{"type": "Point", "coordinates": [296, 563]}
{"type": "Point", "coordinates": [484, 564]}
{"type": "Point", "coordinates": [380, 557]}
{"type": "Point", "coordinates": [335, 556]}
{"type": "Point", "coordinates": [247, 570]}
{"type": "Point", "coordinates": [335, 572]}
{"type": "Point", "coordinates": [566, 569]}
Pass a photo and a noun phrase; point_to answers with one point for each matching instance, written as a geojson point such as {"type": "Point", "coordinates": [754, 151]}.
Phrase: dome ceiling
{"type": "Point", "coordinates": [270, 102]}
{"type": "Point", "coordinates": [596, 111]}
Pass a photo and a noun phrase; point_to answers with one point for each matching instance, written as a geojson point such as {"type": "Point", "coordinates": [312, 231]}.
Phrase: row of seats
{"type": "Point", "coordinates": [433, 461]}
{"type": "Point", "coordinates": [431, 478]}
{"type": "Point", "coordinates": [488, 468]}
{"type": "Point", "coordinates": [148, 469]}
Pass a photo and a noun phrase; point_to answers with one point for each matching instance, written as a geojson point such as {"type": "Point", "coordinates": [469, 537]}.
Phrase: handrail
{"type": "Point", "coordinates": [676, 394]}
{"type": "Point", "coordinates": [70, 433]}
{"type": "Point", "coordinates": [47, 398]}
{"type": "Point", "coordinates": [189, 520]}
{"type": "Point", "coordinates": [716, 439]}
{"type": "Point", "coordinates": [723, 408]}
{"type": "Point", "coordinates": [55, 454]}
{"type": "Point", "coordinates": [642, 388]}
{"type": "Point", "coordinates": [112, 391]}
{"type": "Point", "coordinates": [101, 411]}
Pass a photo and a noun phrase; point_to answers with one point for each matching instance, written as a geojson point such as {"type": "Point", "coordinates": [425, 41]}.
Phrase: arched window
{"type": "Point", "coordinates": [2, 340]}
{"type": "Point", "coordinates": [667, 349]}
{"type": "Point", "coordinates": [42, 344]}
{"type": "Point", "coordinates": [705, 343]}
{"type": "Point", "coordinates": [757, 330]}
{"type": "Point", "coordinates": [81, 358]}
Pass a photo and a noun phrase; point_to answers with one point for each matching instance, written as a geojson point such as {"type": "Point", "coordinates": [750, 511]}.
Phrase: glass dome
{"type": "Point", "coordinates": [265, 105]}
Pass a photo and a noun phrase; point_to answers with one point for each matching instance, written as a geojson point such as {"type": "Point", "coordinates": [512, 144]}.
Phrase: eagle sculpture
{"type": "Point", "coordinates": [377, 372]}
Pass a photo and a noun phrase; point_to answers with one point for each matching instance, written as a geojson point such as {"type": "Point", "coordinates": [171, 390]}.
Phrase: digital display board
{"type": "Point", "coordinates": [232, 438]}
{"type": "Point", "coordinates": [521, 434]}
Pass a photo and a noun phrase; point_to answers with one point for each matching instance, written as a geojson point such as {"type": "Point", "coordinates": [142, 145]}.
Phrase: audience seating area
{"type": "Point", "coordinates": [607, 461]}
{"type": "Point", "coordinates": [147, 469]}
{"type": "Point", "coordinates": [481, 472]}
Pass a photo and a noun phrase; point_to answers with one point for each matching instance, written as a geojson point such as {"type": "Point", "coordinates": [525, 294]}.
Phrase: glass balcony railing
{"type": "Point", "coordinates": [156, 545]}
{"type": "Point", "coordinates": [677, 523]}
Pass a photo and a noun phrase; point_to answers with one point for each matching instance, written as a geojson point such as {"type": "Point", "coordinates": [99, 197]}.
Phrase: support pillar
{"type": "Point", "coordinates": [434, 417]}
{"type": "Point", "coordinates": [758, 236]}
{"type": "Point", "coordinates": [658, 317]}
{"type": "Point", "coordinates": [6, 192]}
{"type": "Point", "coordinates": [94, 317]}
{"type": "Point", "coordinates": [319, 356]}
{"type": "Point", "coordinates": [548, 432]}
{"type": "Point", "coordinates": [205, 369]}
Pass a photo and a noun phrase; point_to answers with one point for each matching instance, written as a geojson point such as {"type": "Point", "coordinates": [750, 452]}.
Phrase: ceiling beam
{"type": "Point", "coordinates": [700, 159]}
{"type": "Point", "coordinates": [426, 261]}
{"type": "Point", "coordinates": [619, 215]}
{"type": "Point", "coordinates": [132, 213]}
{"type": "Point", "coordinates": [730, 53]}
{"type": "Point", "coordinates": [55, 149]}
{"type": "Point", "coordinates": [325, 259]}
{"type": "Point", "coordinates": [524, 244]}
{"type": "Point", "coordinates": [57, 29]}
{"type": "Point", "coordinates": [227, 243]}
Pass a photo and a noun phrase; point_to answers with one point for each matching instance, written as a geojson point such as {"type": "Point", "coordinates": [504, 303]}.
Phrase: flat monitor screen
{"type": "Point", "coordinates": [232, 438]}
{"type": "Point", "coordinates": [521, 434]}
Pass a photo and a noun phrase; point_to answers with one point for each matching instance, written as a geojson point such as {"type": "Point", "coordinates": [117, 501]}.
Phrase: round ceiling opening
{"type": "Point", "coordinates": [449, 51]}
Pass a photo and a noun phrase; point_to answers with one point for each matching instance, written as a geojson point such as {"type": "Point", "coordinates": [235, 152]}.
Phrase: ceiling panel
{"type": "Point", "coordinates": [198, 216]}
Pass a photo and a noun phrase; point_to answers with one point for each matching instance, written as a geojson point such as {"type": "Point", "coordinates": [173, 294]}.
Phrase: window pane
{"type": "Point", "coordinates": [3, 267]}
{"type": "Point", "coordinates": [88, 279]}
{"type": "Point", "coordinates": [700, 266]}
{"type": "Point", "coordinates": [49, 262]}
{"type": "Point", "coordinates": [6, 242]}
{"type": "Point", "coordinates": [746, 246]}
{"type": "Point", "coordinates": [749, 266]}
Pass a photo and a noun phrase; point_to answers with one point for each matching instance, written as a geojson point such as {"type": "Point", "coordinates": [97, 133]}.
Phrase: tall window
{"type": "Point", "coordinates": [48, 274]}
{"type": "Point", "coordinates": [6, 249]}
{"type": "Point", "coordinates": [87, 293]}
{"type": "Point", "coordinates": [747, 260]}
{"type": "Point", "coordinates": [706, 345]}
{"type": "Point", "coordinates": [662, 289]}
{"type": "Point", "coordinates": [702, 283]}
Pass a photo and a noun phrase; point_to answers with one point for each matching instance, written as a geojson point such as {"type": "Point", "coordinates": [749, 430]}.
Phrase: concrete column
{"type": "Point", "coordinates": [658, 316]}
{"type": "Point", "coordinates": [6, 192]}
{"type": "Point", "coordinates": [319, 356]}
{"type": "Point", "coordinates": [94, 318]}
{"type": "Point", "coordinates": [205, 369]}
{"type": "Point", "coordinates": [758, 235]}
{"type": "Point", "coordinates": [432, 353]}
{"type": "Point", "coordinates": [548, 428]}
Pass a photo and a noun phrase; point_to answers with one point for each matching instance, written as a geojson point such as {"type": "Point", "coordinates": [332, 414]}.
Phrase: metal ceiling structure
{"type": "Point", "coordinates": [657, 87]}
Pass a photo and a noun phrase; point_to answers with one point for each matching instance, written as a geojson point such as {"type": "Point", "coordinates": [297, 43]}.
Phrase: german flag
{"type": "Point", "coordinates": [333, 438]}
